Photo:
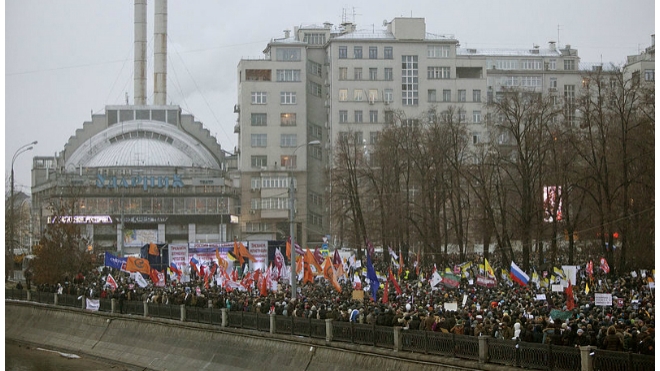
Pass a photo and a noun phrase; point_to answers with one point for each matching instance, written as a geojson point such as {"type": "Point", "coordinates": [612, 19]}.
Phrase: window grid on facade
{"type": "Point", "coordinates": [531, 64]}
{"type": "Point", "coordinates": [373, 52]}
{"type": "Point", "coordinates": [258, 119]}
{"type": "Point", "coordinates": [389, 75]}
{"type": "Point", "coordinates": [258, 161]}
{"type": "Point", "coordinates": [343, 52]}
{"type": "Point", "coordinates": [287, 75]}
{"type": "Point", "coordinates": [373, 74]}
{"type": "Point", "coordinates": [462, 95]}
{"type": "Point", "coordinates": [288, 119]}
{"type": "Point", "coordinates": [569, 64]}
{"type": "Point", "coordinates": [446, 95]}
{"type": "Point", "coordinates": [258, 140]}
{"type": "Point", "coordinates": [434, 73]}
{"type": "Point", "coordinates": [343, 95]}
{"type": "Point", "coordinates": [358, 115]}
{"type": "Point", "coordinates": [432, 95]}
{"type": "Point", "coordinates": [649, 75]}
{"type": "Point", "coordinates": [343, 73]}
{"type": "Point", "coordinates": [438, 51]}
{"type": "Point", "coordinates": [258, 97]}
{"type": "Point", "coordinates": [358, 95]}
{"type": "Point", "coordinates": [314, 38]}
{"type": "Point", "coordinates": [373, 116]}
{"type": "Point", "coordinates": [343, 116]}
{"type": "Point", "coordinates": [287, 97]}
{"type": "Point", "coordinates": [388, 52]}
{"type": "Point", "coordinates": [289, 162]}
{"type": "Point", "coordinates": [476, 117]}
{"type": "Point", "coordinates": [388, 95]}
{"type": "Point", "coordinates": [357, 52]}
{"type": "Point", "coordinates": [409, 80]}
{"type": "Point", "coordinates": [476, 95]}
{"type": "Point", "coordinates": [315, 89]}
{"type": "Point", "coordinates": [357, 73]}
{"type": "Point", "coordinates": [288, 54]}
{"type": "Point", "coordinates": [315, 68]}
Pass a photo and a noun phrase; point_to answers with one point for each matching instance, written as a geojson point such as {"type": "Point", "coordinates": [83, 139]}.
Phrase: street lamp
{"type": "Point", "coordinates": [22, 149]}
{"type": "Point", "coordinates": [294, 276]}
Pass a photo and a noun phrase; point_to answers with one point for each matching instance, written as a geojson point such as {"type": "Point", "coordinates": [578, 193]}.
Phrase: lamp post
{"type": "Point", "coordinates": [294, 276]}
{"type": "Point", "coordinates": [22, 149]}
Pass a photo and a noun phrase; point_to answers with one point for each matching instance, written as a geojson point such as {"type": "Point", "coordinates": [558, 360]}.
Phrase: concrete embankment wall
{"type": "Point", "coordinates": [161, 344]}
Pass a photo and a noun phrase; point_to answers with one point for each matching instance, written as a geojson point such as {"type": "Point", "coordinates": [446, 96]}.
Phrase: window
{"type": "Point", "coordinates": [343, 73]}
{"type": "Point", "coordinates": [388, 52]}
{"type": "Point", "coordinates": [476, 117]}
{"type": "Point", "coordinates": [506, 64]}
{"type": "Point", "coordinates": [388, 95]}
{"type": "Point", "coordinates": [315, 89]}
{"type": "Point", "coordinates": [531, 64]}
{"type": "Point", "coordinates": [316, 131]}
{"type": "Point", "coordinates": [357, 73]}
{"type": "Point", "coordinates": [287, 54]}
{"type": "Point", "coordinates": [409, 80]}
{"type": "Point", "coordinates": [289, 161]}
{"type": "Point", "coordinates": [476, 138]}
{"type": "Point", "coordinates": [373, 116]}
{"type": "Point", "coordinates": [343, 95]}
{"type": "Point", "coordinates": [357, 52]}
{"type": "Point", "coordinates": [409, 123]}
{"type": "Point", "coordinates": [649, 75]}
{"type": "Point", "coordinates": [258, 140]}
{"type": "Point", "coordinates": [476, 95]}
{"type": "Point", "coordinates": [461, 115]}
{"type": "Point", "coordinates": [373, 137]}
{"type": "Point", "coordinates": [438, 51]}
{"type": "Point", "coordinates": [287, 97]}
{"type": "Point", "coordinates": [373, 95]}
{"type": "Point", "coordinates": [373, 52]}
{"type": "Point", "coordinates": [288, 140]}
{"type": "Point", "coordinates": [553, 83]}
{"type": "Point", "coordinates": [314, 38]}
{"type": "Point", "coordinates": [462, 95]}
{"type": "Point", "coordinates": [373, 73]}
{"type": "Point", "coordinates": [343, 52]}
{"type": "Point", "coordinates": [315, 219]}
{"type": "Point", "coordinates": [388, 74]}
{"type": "Point", "coordinates": [569, 93]}
{"type": "Point", "coordinates": [258, 97]}
{"type": "Point", "coordinates": [389, 117]}
{"type": "Point", "coordinates": [510, 81]}
{"type": "Point", "coordinates": [438, 73]}
{"type": "Point", "coordinates": [343, 116]}
{"type": "Point", "coordinates": [432, 95]}
{"type": "Point", "coordinates": [358, 95]}
{"type": "Point", "coordinates": [315, 68]}
{"type": "Point", "coordinates": [258, 119]}
{"type": "Point", "coordinates": [552, 65]}
{"type": "Point", "coordinates": [288, 119]}
{"type": "Point", "coordinates": [569, 64]}
{"type": "Point", "coordinates": [358, 116]}
{"type": "Point", "coordinates": [288, 75]}
{"type": "Point", "coordinates": [446, 95]}
{"type": "Point", "coordinates": [257, 75]}
{"type": "Point", "coordinates": [258, 161]}
{"type": "Point", "coordinates": [316, 152]}
{"type": "Point", "coordinates": [530, 81]}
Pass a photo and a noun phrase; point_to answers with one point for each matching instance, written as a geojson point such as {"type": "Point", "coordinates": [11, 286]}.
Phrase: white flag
{"type": "Point", "coordinates": [435, 279]}
{"type": "Point", "coordinates": [140, 280]}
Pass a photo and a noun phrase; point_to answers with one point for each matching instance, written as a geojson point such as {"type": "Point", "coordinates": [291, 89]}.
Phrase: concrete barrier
{"type": "Point", "coordinates": [162, 344]}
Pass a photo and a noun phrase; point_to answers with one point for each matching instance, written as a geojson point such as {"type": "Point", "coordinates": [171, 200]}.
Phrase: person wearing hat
{"type": "Point", "coordinates": [458, 328]}
{"type": "Point", "coordinates": [612, 341]}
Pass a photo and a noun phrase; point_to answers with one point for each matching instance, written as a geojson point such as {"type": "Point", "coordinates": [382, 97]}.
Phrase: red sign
{"type": "Point", "coordinates": [486, 281]}
{"type": "Point", "coordinates": [619, 302]}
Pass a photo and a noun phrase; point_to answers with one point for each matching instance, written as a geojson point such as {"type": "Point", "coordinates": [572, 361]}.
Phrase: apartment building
{"type": "Point", "coordinates": [321, 82]}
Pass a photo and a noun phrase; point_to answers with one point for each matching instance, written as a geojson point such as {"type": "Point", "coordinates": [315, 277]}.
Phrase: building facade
{"type": "Point", "coordinates": [339, 80]}
{"type": "Point", "coordinates": [138, 174]}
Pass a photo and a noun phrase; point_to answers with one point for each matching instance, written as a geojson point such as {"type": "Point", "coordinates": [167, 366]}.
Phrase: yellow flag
{"type": "Point", "coordinates": [586, 289]}
{"type": "Point", "coordinates": [488, 268]}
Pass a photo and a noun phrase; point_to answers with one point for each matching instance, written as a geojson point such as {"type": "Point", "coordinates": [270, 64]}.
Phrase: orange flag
{"type": "Point", "coordinates": [243, 252]}
{"type": "Point", "coordinates": [134, 264]}
{"type": "Point", "coordinates": [330, 274]}
{"type": "Point", "coordinates": [221, 262]}
{"type": "Point", "coordinates": [153, 249]}
{"type": "Point", "coordinates": [400, 263]}
{"type": "Point", "coordinates": [310, 259]}
{"type": "Point", "coordinates": [237, 253]}
{"type": "Point", "coordinates": [288, 249]}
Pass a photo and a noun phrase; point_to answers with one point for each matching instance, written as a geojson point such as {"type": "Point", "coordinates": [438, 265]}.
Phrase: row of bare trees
{"type": "Point", "coordinates": [430, 182]}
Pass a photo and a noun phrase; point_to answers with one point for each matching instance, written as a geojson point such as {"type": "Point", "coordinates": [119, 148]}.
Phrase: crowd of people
{"type": "Point", "coordinates": [506, 311]}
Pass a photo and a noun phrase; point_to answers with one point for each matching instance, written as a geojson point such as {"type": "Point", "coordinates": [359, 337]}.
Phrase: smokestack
{"type": "Point", "coordinates": [140, 51]}
{"type": "Point", "coordinates": [160, 53]}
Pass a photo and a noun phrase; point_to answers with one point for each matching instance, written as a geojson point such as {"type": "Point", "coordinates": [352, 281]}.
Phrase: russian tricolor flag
{"type": "Point", "coordinates": [518, 274]}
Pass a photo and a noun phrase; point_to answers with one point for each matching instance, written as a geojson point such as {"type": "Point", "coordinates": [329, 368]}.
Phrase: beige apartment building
{"type": "Point", "coordinates": [320, 82]}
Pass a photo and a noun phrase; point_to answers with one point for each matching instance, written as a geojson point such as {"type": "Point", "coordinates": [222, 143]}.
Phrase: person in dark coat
{"type": "Point", "coordinates": [612, 341]}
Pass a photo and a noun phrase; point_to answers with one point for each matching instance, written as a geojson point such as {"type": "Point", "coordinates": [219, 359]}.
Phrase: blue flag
{"type": "Point", "coordinates": [373, 278]}
{"type": "Point", "coordinates": [113, 261]}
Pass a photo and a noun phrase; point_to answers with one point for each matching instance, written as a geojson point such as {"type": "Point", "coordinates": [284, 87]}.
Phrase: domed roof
{"type": "Point", "coordinates": [142, 143]}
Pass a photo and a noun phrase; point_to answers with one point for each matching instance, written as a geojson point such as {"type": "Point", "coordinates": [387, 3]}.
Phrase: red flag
{"type": "Point", "coordinates": [570, 300]}
{"type": "Point", "coordinates": [263, 285]}
{"type": "Point", "coordinates": [234, 275]}
{"type": "Point", "coordinates": [110, 281]}
{"type": "Point", "coordinates": [604, 266]}
{"type": "Point", "coordinates": [386, 294]}
{"type": "Point", "coordinates": [288, 248]}
{"type": "Point", "coordinates": [396, 285]}
{"type": "Point", "coordinates": [590, 267]}
{"type": "Point", "coordinates": [318, 256]}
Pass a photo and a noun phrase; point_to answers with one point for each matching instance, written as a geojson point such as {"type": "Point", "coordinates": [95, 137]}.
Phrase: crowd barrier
{"type": "Point", "coordinates": [482, 349]}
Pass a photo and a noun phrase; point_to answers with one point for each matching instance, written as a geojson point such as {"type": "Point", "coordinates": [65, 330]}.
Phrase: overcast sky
{"type": "Point", "coordinates": [66, 59]}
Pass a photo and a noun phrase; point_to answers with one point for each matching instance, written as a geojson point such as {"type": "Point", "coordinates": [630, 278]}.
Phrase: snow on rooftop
{"type": "Point", "coordinates": [509, 52]}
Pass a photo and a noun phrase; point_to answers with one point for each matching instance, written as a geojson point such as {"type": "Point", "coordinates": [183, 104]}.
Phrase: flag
{"type": "Point", "coordinates": [396, 285]}
{"type": "Point", "coordinates": [570, 299]}
{"type": "Point", "coordinates": [318, 256]}
{"type": "Point", "coordinates": [488, 268]}
{"type": "Point", "coordinates": [113, 261]}
{"type": "Point", "coordinates": [373, 279]}
{"type": "Point", "coordinates": [370, 247]}
{"type": "Point", "coordinates": [395, 264]}
{"type": "Point", "coordinates": [279, 263]}
{"type": "Point", "coordinates": [243, 253]}
{"type": "Point", "coordinates": [175, 269]}
{"type": "Point", "coordinates": [110, 281]}
{"type": "Point", "coordinates": [357, 283]}
{"type": "Point", "coordinates": [392, 253]}
{"type": "Point", "coordinates": [140, 280]}
{"type": "Point", "coordinates": [221, 262]}
{"type": "Point", "coordinates": [518, 274]}
{"type": "Point", "coordinates": [604, 266]}
{"type": "Point", "coordinates": [134, 264]}
{"type": "Point", "coordinates": [193, 263]}
{"type": "Point", "coordinates": [330, 274]}
{"type": "Point", "coordinates": [231, 256]}
{"type": "Point", "coordinates": [400, 263]}
{"type": "Point", "coordinates": [586, 289]}
{"type": "Point", "coordinates": [386, 294]}
{"type": "Point", "coordinates": [417, 265]}
{"type": "Point", "coordinates": [535, 279]}
{"type": "Point", "coordinates": [336, 259]}
{"type": "Point", "coordinates": [559, 272]}
{"type": "Point", "coordinates": [590, 267]}
{"type": "Point", "coordinates": [311, 259]}
{"type": "Point", "coordinates": [451, 280]}
{"type": "Point", "coordinates": [153, 249]}
{"type": "Point", "coordinates": [237, 252]}
{"type": "Point", "coordinates": [435, 279]}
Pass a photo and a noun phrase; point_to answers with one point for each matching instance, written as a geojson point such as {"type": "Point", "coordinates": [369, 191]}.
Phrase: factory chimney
{"type": "Point", "coordinates": [140, 51]}
{"type": "Point", "coordinates": [160, 53]}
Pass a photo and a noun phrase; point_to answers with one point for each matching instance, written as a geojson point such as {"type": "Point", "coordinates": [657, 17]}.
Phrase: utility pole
{"type": "Point", "coordinates": [12, 217]}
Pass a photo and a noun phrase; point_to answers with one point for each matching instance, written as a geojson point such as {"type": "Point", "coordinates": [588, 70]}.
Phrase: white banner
{"type": "Point", "coordinates": [259, 249]}
{"type": "Point", "coordinates": [92, 304]}
{"type": "Point", "coordinates": [603, 299]}
{"type": "Point", "coordinates": [465, 297]}
{"type": "Point", "coordinates": [451, 306]}
{"type": "Point", "coordinates": [557, 288]}
{"type": "Point", "coordinates": [540, 297]}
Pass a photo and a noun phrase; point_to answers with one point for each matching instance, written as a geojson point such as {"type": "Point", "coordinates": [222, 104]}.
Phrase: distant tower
{"type": "Point", "coordinates": [160, 53]}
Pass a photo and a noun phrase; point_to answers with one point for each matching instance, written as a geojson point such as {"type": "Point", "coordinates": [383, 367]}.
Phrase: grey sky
{"type": "Point", "coordinates": [65, 59]}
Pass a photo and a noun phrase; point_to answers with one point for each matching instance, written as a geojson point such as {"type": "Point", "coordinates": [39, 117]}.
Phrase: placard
{"type": "Point", "coordinates": [603, 299]}
{"type": "Point", "coordinates": [451, 306]}
{"type": "Point", "coordinates": [465, 297]}
{"type": "Point", "coordinates": [557, 288]}
{"type": "Point", "coordinates": [358, 295]}
{"type": "Point", "coordinates": [540, 297]}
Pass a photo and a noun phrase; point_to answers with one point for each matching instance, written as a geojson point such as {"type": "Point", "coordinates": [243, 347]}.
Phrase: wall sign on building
{"type": "Point", "coordinates": [145, 182]}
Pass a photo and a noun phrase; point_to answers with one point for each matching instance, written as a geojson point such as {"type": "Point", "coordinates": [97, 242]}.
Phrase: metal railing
{"type": "Point", "coordinates": [503, 352]}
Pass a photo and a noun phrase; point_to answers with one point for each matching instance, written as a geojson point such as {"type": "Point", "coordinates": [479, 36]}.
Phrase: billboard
{"type": "Point", "coordinates": [139, 237]}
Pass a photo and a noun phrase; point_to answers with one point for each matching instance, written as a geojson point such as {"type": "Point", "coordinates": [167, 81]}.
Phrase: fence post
{"type": "Point", "coordinates": [273, 323]}
{"type": "Point", "coordinates": [113, 305]}
{"type": "Point", "coordinates": [146, 308]}
{"type": "Point", "coordinates": [183, 312]}
{"type": "Point", "coordinates": [84, 302]}
{"type": "Point", "coordinates": [55, 300]}
{"type": "Point", "coordinates": [29, 295]}
{"type": "Point", "coordinates": [587, 361]}
{"type": "Point", "coordinates": [224, 317]}
{"type": "Point", "coordinates": [483, 349]}
{"type": "Point", "coordinates": [328, 329]}
{"type": "Point", "coordinates": [397, 338]}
